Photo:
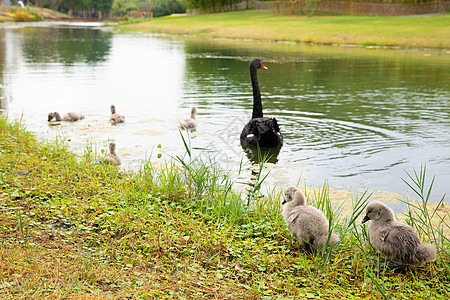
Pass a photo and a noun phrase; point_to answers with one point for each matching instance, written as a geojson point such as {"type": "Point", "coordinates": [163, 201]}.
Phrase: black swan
{"type": "Point", "coordinates": [260, 130]}
{"type": "Point", "coordinates": [71, 116]}
{"type": "Point", "coordinates": [115, 117]}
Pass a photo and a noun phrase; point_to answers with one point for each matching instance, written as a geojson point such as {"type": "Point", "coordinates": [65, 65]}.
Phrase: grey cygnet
{"type": "Point", "coordinates": [115, 117]}
{"type": "Point", "coordinates": [308, 224]}
{"type": "Point", "coordinates": [397, 241]}
{"type": "Point", "coordinates": [112, 158]}
{"type": "Point", "coordinates": [70, 116]}
{"type": "Point", "coordinates": [191, 122]}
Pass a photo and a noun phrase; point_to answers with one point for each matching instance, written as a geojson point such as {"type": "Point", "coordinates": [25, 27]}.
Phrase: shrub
{"type": "Point", "coordinates": [27, 15]}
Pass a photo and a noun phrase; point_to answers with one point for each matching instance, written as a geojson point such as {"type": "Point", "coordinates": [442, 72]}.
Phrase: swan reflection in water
{"type": "Point", "coordinates": [263, 154]}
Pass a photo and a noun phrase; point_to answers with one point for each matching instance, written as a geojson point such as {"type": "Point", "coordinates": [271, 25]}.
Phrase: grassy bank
{"type": "Point", "coordinates": [74, 229]}
{"type": "Point", "coordinates": [10, 13]}
{"type": "Point", "coordinates": [406, 31]}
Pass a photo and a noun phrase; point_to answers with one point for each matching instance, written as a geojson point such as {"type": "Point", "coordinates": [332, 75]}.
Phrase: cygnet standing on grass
{"type": "Point", "coordinates": [397, 241]}
{"type": "Point", "coordinates": [191, 122]}
{"type": "Point", "coordinates": [308, 224]}
{"type": "Point", "coordinates": [70, 116]}
{"type": "Point", "coordinates": [115, 117]}
{"type": "Point", "coordinates": [112, 158]}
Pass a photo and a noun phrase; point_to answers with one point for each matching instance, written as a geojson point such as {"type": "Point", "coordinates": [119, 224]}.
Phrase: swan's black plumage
{"type": "Point", "coordinates": [260, 130]}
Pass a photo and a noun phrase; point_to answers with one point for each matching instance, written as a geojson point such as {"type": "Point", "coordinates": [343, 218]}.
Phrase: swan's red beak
{"type": "Point", "coordinates": [263, 66]}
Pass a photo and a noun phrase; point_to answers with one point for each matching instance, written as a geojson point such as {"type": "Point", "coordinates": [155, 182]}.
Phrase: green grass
{"type": "Point", "coordinates": [71, 228]}
{"type": "Point", "coordinates": [405, 31]}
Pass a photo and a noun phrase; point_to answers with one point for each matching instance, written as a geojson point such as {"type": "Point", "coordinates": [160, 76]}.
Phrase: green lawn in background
{"type": "Point", "coordinates": [431, 31]}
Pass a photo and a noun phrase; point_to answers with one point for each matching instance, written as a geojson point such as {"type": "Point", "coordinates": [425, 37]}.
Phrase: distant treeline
{"type": "Point", "coordinates": [91, 8]}
{"type": "Point", "coordinates": [378, 7]}
{"type": "Point", "coordinates": [212, 5]}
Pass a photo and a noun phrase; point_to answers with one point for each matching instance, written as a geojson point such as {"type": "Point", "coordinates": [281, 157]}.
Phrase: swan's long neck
{"type": "Point", "coordinates": [257, 104]}
{"type": "Point", "coordinates": [112, 149]}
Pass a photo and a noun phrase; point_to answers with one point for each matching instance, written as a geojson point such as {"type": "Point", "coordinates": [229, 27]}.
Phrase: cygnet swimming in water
{"type": "Point", "coordinates": [115, 117]}
{"type": "Point", "coordinates": [112, 158]}
{"type": "Point", "coordinates": [397, 241]}
{"type": "Point", "coordinates": [308, 224]}
{"type": "Point", "coordinates": [191, 122]}
{"type": "Point", "coordinates": [70, 116]}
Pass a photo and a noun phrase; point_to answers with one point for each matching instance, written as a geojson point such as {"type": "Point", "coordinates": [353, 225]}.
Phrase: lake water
{"type": "Point", "coordinates": [355, 118]}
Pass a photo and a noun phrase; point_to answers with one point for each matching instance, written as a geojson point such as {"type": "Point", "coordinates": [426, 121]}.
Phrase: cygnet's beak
{"type": "Point", "coordinates": [284, 201]}
{"type": "Point", "coordinates": [366, 218]}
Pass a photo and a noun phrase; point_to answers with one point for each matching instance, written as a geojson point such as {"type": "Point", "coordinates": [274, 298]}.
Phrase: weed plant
{"type": "Point", "coordinates": [26, 15]}
{"type": "Point", "coordinates": [425, 218]}
{"type": "Point", "coordinates": [72, 228]}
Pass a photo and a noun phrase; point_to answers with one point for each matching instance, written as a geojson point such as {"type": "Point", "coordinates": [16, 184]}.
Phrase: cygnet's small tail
{"type": "Point", "coordinates": [425, 253]}
{"type": "Point", "coordinates": [333, 240]}
{"type": "Point", "coordinates": [329, 240]}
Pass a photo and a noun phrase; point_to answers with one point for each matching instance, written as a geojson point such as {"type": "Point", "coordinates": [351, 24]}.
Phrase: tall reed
{"type": "Point", "coordinates": [432, 224]}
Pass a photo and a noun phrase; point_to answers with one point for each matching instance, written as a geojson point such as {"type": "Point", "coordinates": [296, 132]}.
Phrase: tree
{"type": "Point", "coordinates": [210, 5]}
{"type": "Point", "coordinates": [166, 7]}
{"type": "Point", "coordinates": [93, 6]}
{"type": "Point", "coordinates": [124, 6]}
{"type": "Point", "coordinates": [158, 7]}
{"type": "Point", "coordinates": [52, 4]}
{"type": "Point", "coordinates": [102, 5]}
{"type": "Point", "coordinates": [74, 6]}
